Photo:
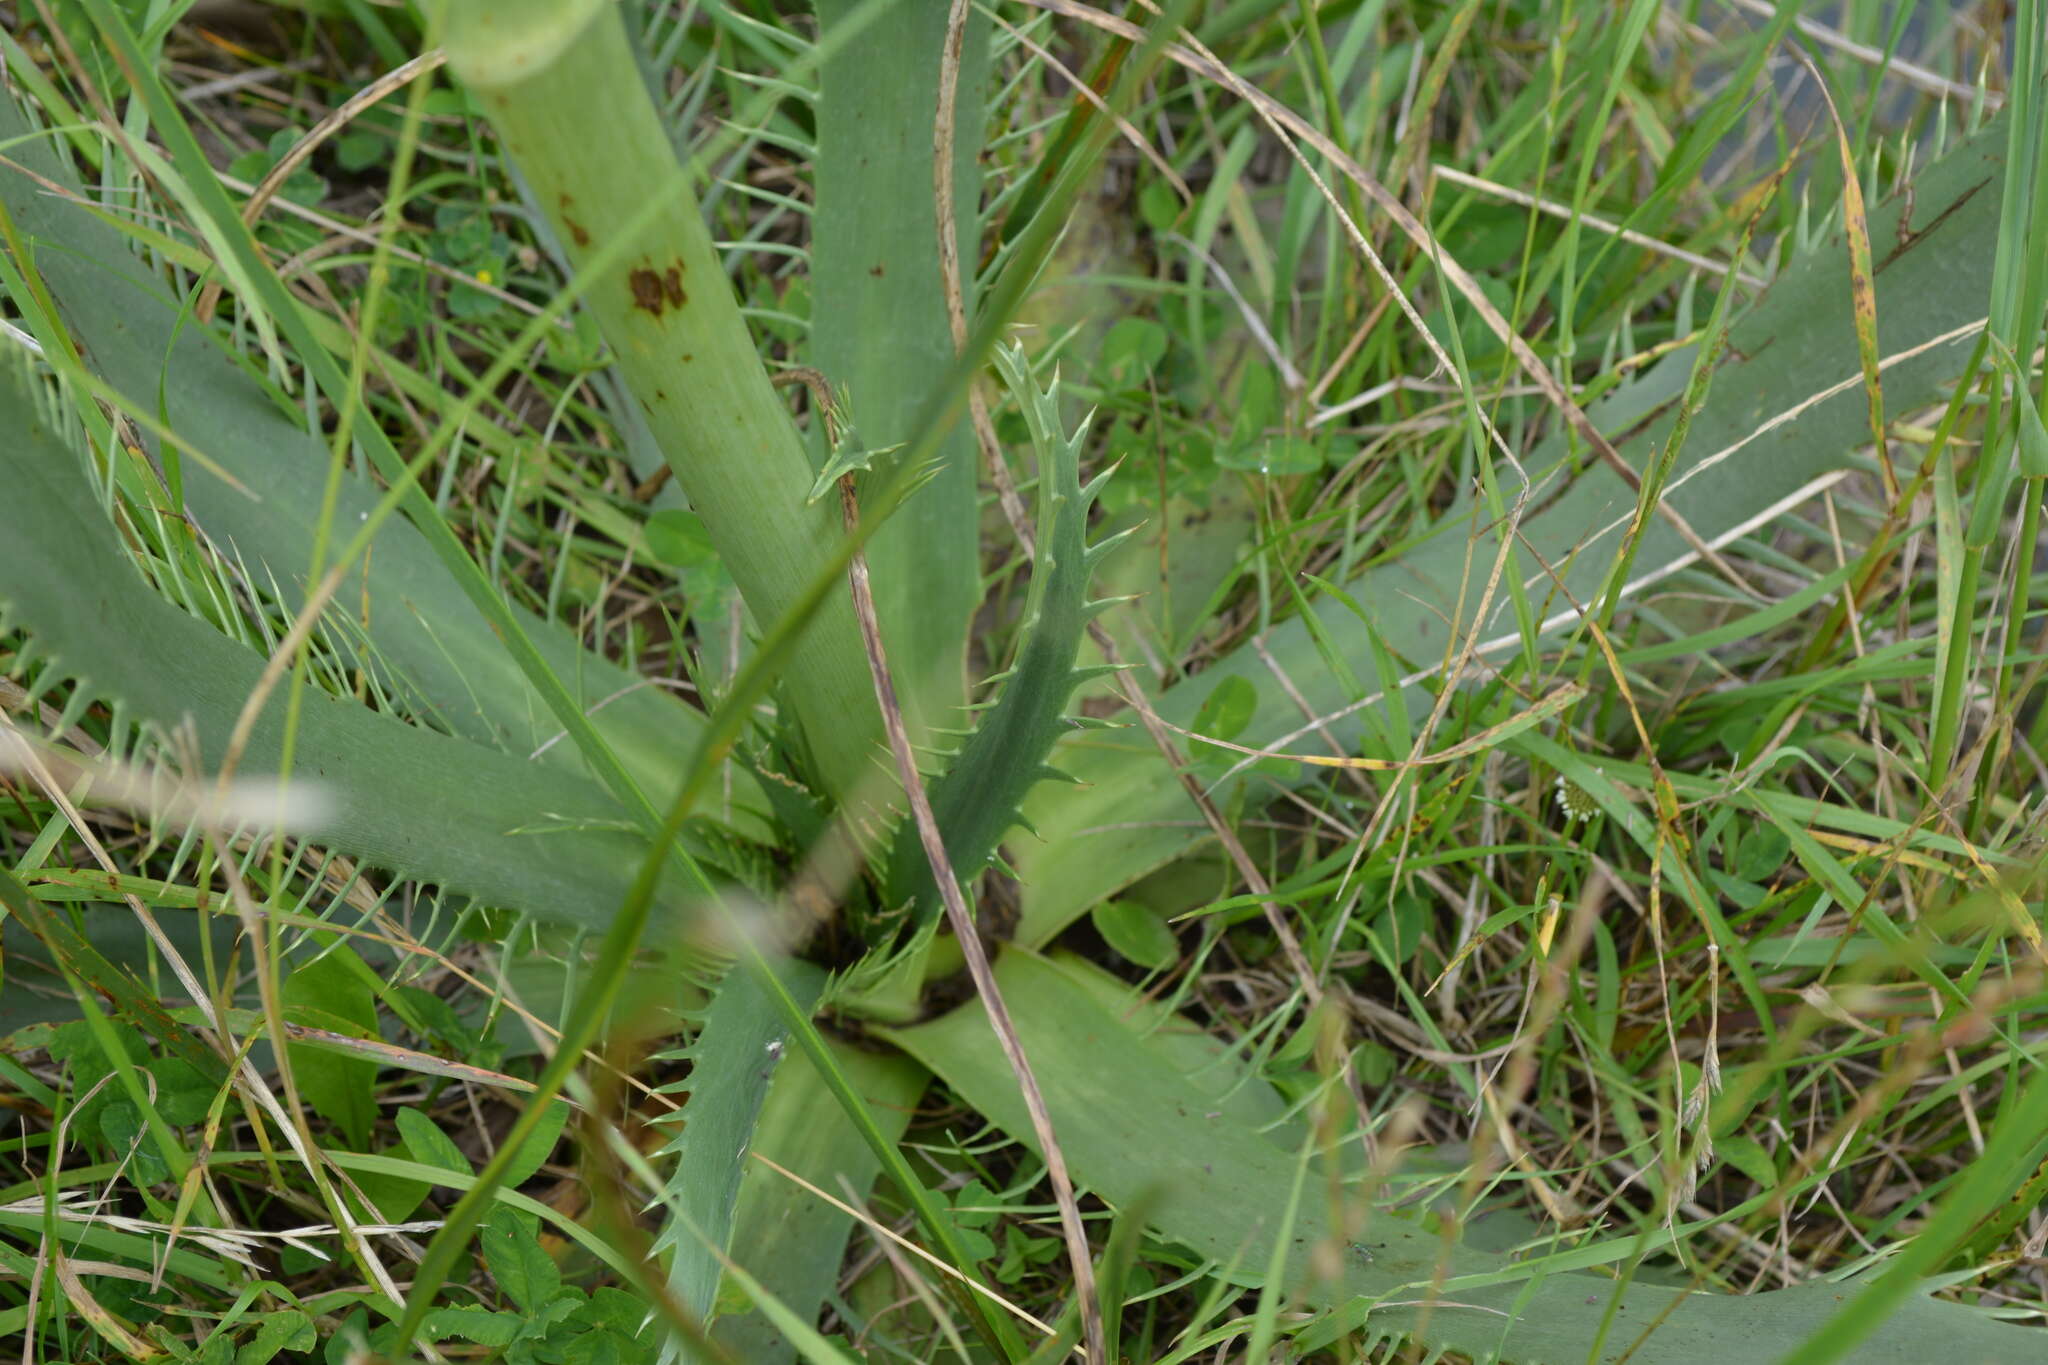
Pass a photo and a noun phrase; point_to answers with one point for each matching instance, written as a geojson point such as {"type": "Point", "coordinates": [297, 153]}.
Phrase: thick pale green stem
{"type": "Point", "coordinates": [560, 85]}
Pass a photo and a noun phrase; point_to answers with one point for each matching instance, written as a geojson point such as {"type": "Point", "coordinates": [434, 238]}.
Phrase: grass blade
{"type": "Point", "coordinates": [1769, 430]}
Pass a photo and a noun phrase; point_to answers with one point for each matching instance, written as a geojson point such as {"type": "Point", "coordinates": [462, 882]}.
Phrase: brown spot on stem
{"type": "Point", "coordinates": [646, 286]}
{"type": "Point", "coordinates": [576, 229]}
{"type": "Point", "coordinates": [654, 292]}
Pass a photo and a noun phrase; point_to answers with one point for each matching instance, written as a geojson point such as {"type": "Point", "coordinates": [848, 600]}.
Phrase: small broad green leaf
{"type": "Point", "coordinates": [301, 186]}
{"type": "Point", "coordinates": [676, 536]}
{"type": "Point", "coordinates": [543, 1332]}
{"type": "Point", "coordinates": [122, 1128]}
{"type": "Point", "coordinates": [1747, 895]}
{"type": "Point", "coordinates": [1257, 402]}
{"type": "Point", "coordinates": [2033, 435]}
{"type": "Point", "coordinates": [472, 1323]}
{"type": "Point", "coordinates": [419, 1140]}
{"type": "Point", "coordinates": [1276, 457]}
{"type": "Point", "coordinates": [613, 1308]}
{"type": "Point", "coordinates": [1374, 1064]}
{"type": "Point", "coordinates": [290, 1330]}
{"type": "Point", "coordinates": [578, 347]}
{"type": "Point", "coordinates": [461, 234]}
{"type": "Point", "coordinates": [1023, 1252]}
{"type": "Point", "coordinates": [1748, 1156]}
{"type": "Point", "coordinates": [332, 993]}
{"type": "Point", "coordinates": [1761, 852]}
{"type": "Point", "coordinates": [539, 1145]}
{"type": "Point", "coordinates": [513, 1254]}
{"type": "Point", "coordinates": [435, 1021]}
{"type": "Point", "coordinates": [447, 102]}
{"type": "Point", "coordinates": [75, 1045]}
{"type": "Point", "coordinates": [427, 1144]}
{"type": "Point", "coordinates": [601, 1347]}
{"type": "Point", "coordinates": [349, 1341]}
{"type": "Point", "coordinates": [361, 149]}
{"type": "Point", "coordinates": [731, 1301]}
{"type": "Point", "coordinates": [1402, 928]}
{"type": "Point", "coordinates": [467, 301]}
{"type": "Point", "coordinates": [974, 1206]}
{"type": "Point", "coordinates": [1133, 348]}
{"type": "Point", "coordinates": [1158, 206]}
{"type": "Point", "coordinates": [183, 1094]}
{"type": "Point", "coordinates": [1137, 933]}
{"type": "Point", "coordinates": [1229, 708]}
{"type": "Point", "coordinates": [973, 1240]}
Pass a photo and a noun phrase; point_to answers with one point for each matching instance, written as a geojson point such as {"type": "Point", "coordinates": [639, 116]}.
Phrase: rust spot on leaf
{"type": "Point", "coordinates": [877, 271]}
{"type": "Point", "coordinates": [672, 285]}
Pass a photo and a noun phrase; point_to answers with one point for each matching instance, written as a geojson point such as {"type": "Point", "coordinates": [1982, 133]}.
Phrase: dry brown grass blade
{"type": "Point", "coordinates": [884, 1233]}
{"type": "Point", "coordinates": [1020, 525]}
{"type": "Point", "coordinates": [1082, 90]}
{"type": "Point", "coordinates": [81, 1301]}
{"type": "Point", "coordinates": [1485, 739]}
{"type": "Point", "coordinates": [1162, 738]}
{"type": "Point", "coordinates": [961, 921]}
{"type": "Point", "coordinates": [1669, 835]}
{"type": "Point", "coordinates": [1013, 510]}
{"type": "Point", "coordinates": [288, 1115]}
{"type": "Point", "coordinates": [949, 263]}
{"type": "Point", "coordinates": [1551, 208]}
{"type": "Point", "coordinates": [1421, 112]}
{"type": "Point", "coordinates": [1891, 63]}
{"type": "Point", "coordinates": [1862, 282]}
{"type": "Point", "coordinates": [1290, 126]}
{"type": "Point", "coordinates": [336, 119]}
{"type": "Point", "coordinates": [1762, 517]}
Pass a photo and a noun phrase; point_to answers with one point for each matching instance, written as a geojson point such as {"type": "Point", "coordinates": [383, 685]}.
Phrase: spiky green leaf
{"type": "Point", "coordinates": [978, 799]}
